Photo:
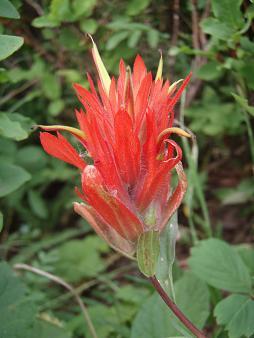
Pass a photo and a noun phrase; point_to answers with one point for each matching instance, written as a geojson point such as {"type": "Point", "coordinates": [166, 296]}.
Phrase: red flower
{"type": "Point", "coordinates": [126, 130]}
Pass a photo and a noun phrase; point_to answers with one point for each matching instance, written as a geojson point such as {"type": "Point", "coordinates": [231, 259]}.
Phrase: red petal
{"type": "Point", "coordinates": [104, 230]}
{"type": "Point", "coordinates": [60, 148]}
{"type": "Point", "coordinates": [177, 196]}
{"type": "Point", "coordinates": [108, 206]}
{"type": "Point", "coordinates": [126, 148]}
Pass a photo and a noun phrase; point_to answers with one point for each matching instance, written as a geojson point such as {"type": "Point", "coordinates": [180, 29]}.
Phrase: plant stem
{"type": "Point", "coordinates": [174, 308]}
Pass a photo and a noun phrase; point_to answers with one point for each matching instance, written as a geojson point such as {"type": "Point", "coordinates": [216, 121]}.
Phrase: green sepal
{"type": "Point", "coordinates": [148, 250]}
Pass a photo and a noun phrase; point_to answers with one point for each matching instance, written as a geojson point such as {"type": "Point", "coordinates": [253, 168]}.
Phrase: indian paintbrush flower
{"type": "Point", "coordinates": [126, 129]}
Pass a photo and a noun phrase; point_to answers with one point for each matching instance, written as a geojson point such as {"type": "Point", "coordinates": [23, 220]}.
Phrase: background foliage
{"type": "Point", "coordinates": [214, 280]}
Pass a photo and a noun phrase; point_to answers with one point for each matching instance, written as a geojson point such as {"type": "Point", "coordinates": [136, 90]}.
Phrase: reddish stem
{"type": "Point", "coordinates": [173, 307]}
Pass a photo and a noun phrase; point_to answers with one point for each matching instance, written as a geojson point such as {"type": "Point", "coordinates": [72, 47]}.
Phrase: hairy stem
{"type": "Point", "coordinates": [174, 308]}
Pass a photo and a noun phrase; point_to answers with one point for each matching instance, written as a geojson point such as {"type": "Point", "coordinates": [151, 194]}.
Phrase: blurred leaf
{"type": "Point", "coordinates": [11, 178]}
{"type": "Point", "coordinates": [244, 103]}
{"type": "Point", "coordinates": [115, 39]}
{"type": "Point", "coordinates": [60, 10]}
{"type": "Point", "coordinates": [236, 195]}
{"type": "Point", "coordinates": [228, 11]}
{"type": "Point", "coordinates": [51, 86]}
{"type": "Point", "coordinates": [1, 221]}
{"type": "Point", "coordinates": [37, 204]}
{"type": "Point", "coordinates": [132, 294]}
{"type": "Point", "coordinates": [7, 10]}
{"type": "Point", "coordinates": [154, 319]}
{"type": "Point", "coordinates": [217, 263]}
{"type": "Point", "coordinates": [134, 39]}
{"type": "Point", "coordinates": [83, 7]}
{"type": "Point", "coordinates": [45, 21]}
{"type": "Point", "coordinates": [56, 107]}
{"type": "Point", "coordinates": [217, 29]}
{"type": "Point", "coordinates": [210, 71]}
{"type": "Point", "coordinates": [236, 312]}
{"type": "Point", "coordinates": [32, 158]}
{"type": "Point", "coordinates": [80, 259]}
{"type": "Point", "coordinates": [89, 26]}
{"type": "Point", "coordinates": [9, 44]}
{"type": "Point", "coordinates": [136, 6]}
{"type": "Point", "coordinates": [153, 38]}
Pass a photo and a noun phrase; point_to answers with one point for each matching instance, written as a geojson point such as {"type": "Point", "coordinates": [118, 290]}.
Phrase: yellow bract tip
{"type": "Point", "coordinates": [102, 71]}
{"type": "Point", "coordinates": [160, 69]}
{"type": "Point", "coordinates": [173, 86]}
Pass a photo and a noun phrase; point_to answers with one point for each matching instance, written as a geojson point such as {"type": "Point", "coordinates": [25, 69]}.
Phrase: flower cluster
{"type": "Point", "coordinates": [125, 128]}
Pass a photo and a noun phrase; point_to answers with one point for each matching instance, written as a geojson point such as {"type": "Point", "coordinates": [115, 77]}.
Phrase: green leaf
{"type": "Point", "coordinates": [209, 71]}
{"type": "Point", "coordinates": [116, 39]}
{"type": "Point", "coordinates": [55, 107]}
{"type": "Point", "coordinates": [11, 178]}
{"type": "Point", "coordinates": [45, 21]}
{"type": "Point", "coordinates": [136, 6]}
{"type": "Point", "coordinates": [37, 204]}
{"type": "Point", "coordinates": [236, 312]}
{"type": "Point", "coordinates": [153, 38]}
{"type": "Point", "coordinates": [79, 259]}
{"type": "Point", "coordinates": [154, 319]}
{"type": "Point", "coordinates": [134, 39]}
{"type": "Point", "coordinates": [247, 254]}
{"type": "Point", "coordinates": [1, 221]}
{"type": "Point", "coordinates": [7, 10]}
{"type": "Point", "coordinates": [18, 312]}
{"type": "Point", "coordinates": [228, 11]}
{"type": "Point", "coordinates": [9, 44]}
{"type": "Point", "coordinates": [11, 128]}
{"type": "Point", "coordinates": [89, 26]}
{"type": "Point", "coordinates": [218, 264]}
{"type": "Point", "coordinates": [217, 29]}
{"type": "Point", "coordinates": [148, 250]}
{"type": "Point", "coordinates": [243, 102]}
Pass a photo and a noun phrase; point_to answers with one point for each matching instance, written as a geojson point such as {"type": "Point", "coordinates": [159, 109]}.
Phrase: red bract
{"type": "Point", "coordinates": [125, 128]}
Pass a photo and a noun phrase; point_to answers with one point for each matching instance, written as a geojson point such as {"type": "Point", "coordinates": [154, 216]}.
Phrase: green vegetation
{"type": "Point", "coordinates": [43, 51]}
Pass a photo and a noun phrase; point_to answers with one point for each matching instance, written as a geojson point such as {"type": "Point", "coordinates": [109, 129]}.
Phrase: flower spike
{"type": "Point", "coordinates": [126, 129]}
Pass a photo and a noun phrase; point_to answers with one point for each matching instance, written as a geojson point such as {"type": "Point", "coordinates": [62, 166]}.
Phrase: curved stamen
{"type": "Point", "coordinates": [74, 131]}
{"type": "Point", "coordinates": [174, 130]}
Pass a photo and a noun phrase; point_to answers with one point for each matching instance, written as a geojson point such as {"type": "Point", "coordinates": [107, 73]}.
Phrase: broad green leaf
{"type": "Point", "coordinates": [247, 254]}
{"type": "Point", "coordinates": [18, 312]}
{"type": "Point", "coordinates": [1, 221]}
{"type": "Point", "coordinates": [236, 312]}
{"type": "Point", "coordinates": [228, 11]}
{"type": "Point", "coordinates": [154, 320]}
{"type": "Point", "coordinates": [45, 21]}
{"type": "Point", "coordinates": [11, 128]}
{"type": "Point", "coordinates": [218, 264]}
{"type": "Point", "coordinates": [134, 39]}
{"type": "Point", "coordinates": [11, 178]}
{"type": "Point", "coordinates": [7, 10]}
{"type": "Point", "coordinates": [217, 29]}
{"type": "Point", "coordinates": [83, 7]}
{"type": "Point", "coordinates": [9, 44]}
{"type": "Point", "coordinates": [32, 158]}
{"type": "Point", "coordinates": [79, 259]}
